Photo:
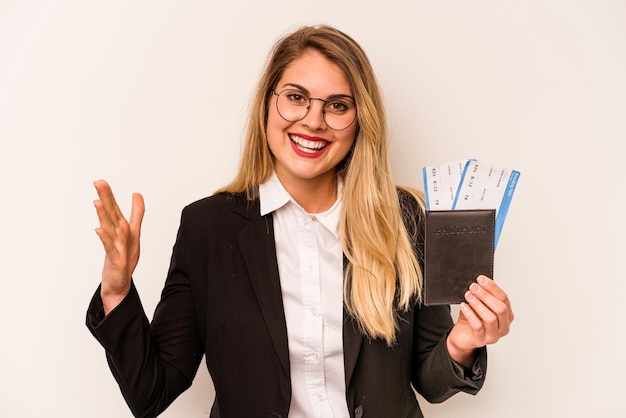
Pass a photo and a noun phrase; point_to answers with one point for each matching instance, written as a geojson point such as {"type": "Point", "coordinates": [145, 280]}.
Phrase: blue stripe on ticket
{"type": "Point", "coordinates": [506, 202]}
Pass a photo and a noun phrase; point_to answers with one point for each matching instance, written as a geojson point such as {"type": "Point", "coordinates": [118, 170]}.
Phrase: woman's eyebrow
{"type": "Point", "coordinates": [296, 86]}
{"type": "Point", "coordinates": [306, 91]}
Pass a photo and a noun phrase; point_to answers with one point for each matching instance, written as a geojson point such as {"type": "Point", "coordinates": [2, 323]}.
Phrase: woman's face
{"type": "Point", "coordinates": [308, 151]}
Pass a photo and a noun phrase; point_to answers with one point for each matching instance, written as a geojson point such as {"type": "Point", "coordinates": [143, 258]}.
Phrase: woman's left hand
{"type": "Point", "coordinates": [484, 318]}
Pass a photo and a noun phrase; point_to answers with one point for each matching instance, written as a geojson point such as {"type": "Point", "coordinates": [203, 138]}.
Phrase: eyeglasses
{"type": "Point", "coordinates": [339, 112]}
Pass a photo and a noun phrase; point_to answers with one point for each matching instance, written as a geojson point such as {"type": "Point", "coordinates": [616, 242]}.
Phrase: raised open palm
{"type": "Point", "coordinates": [120, 239]}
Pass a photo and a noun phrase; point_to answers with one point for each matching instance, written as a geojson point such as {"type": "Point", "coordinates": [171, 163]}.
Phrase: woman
{"type": "Point", "coordinates": [301, 280]}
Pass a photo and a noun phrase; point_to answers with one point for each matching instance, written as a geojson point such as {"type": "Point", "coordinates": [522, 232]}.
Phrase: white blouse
{"type": "Point", "coordinates": [310, 264]}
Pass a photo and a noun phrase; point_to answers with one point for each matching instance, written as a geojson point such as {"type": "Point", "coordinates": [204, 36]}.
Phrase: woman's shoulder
{"type": "Point", "coordinates": [220, 202]}
{"type": "Point", "coordinates": [219, 213]}
{"type": "Point", "coordinates": [411, 199]}
{"type": "Point", "coordinates": [412, 208]}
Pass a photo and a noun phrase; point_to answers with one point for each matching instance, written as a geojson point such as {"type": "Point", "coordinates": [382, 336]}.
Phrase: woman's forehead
{"type": "Point", "coordinates": [316, 74]}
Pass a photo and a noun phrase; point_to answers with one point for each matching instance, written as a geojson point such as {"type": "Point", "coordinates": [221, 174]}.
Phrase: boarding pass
{"type": "Point", "coordinates": [470, 184]}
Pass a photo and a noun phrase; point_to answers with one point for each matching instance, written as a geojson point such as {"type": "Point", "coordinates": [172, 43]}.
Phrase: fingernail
{"type": "Point", "coordinates": [469, 297]}
{"type": "Point", "coordinates": [482, 280]}
{"type": "Point", "coordinates": [474, 288]}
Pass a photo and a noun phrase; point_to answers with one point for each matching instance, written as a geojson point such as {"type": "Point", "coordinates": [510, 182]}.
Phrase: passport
{"type": "Point", "coordinates": [458, 247]}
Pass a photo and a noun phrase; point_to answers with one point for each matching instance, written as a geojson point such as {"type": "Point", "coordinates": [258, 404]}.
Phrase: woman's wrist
{"type": "Point", "coordinates": [110, 300]}
{"type": "Point", "coordinates": [465, 357]}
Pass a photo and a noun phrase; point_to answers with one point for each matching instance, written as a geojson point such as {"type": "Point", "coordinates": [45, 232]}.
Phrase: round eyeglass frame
{"type": "Point", "coordinates": [308, 108]}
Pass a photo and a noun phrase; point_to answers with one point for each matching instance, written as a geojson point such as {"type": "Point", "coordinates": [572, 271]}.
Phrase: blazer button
{"type": "Point", "coordinates": [358, 412]}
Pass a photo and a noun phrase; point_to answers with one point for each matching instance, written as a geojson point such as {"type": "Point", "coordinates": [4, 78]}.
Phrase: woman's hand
{"type": "Point", "coordinates": [484, 318]}
{"type": "Point", "coordinates": [120, 239]}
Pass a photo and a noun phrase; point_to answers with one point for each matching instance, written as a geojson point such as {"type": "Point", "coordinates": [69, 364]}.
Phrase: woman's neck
{"type": "Point", "coordinates": [314, 195]}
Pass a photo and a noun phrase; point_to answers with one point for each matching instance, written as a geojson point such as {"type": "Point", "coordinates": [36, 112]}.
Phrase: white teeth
{"type": "Point", "coordinates": [306, 145]}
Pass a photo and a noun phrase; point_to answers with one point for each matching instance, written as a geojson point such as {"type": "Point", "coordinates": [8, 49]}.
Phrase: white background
{"type": "Point", "coordinates": [153, 95]}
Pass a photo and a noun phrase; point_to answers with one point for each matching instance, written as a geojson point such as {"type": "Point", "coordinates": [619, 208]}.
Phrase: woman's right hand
{"type": "Point", "coordinates": [120, 240]}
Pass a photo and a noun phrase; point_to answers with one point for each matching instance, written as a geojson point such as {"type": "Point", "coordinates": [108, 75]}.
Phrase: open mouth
{"type": "Point", "coordinates": [308, 146]}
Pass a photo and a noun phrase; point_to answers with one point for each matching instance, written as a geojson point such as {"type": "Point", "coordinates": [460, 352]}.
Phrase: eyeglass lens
{"type": "Point", "coordinates": [338, 112]}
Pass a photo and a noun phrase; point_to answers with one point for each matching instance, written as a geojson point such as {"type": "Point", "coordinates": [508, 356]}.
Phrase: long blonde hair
{"type": "Point", "coordinates": [383, 273]}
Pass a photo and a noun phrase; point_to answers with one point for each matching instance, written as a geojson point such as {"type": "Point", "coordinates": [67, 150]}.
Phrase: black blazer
{"type": "Point", "coordinates": [222, 298]}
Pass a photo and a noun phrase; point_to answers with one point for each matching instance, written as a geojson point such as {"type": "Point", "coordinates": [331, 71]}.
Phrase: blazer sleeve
{"type": "Point", "coordinates": [435, 375]}
{"type": "Point", "coordinates": [152, 362]}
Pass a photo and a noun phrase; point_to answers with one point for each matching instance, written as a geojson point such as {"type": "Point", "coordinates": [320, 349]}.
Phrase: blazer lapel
{"type": "Point", "coordinates": [258, 249]}
{"type": "Point", "coordinates": [352, 340]}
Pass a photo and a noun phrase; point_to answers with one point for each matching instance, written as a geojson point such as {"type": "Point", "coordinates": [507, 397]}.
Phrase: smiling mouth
{"type": "Point", "coordinates": [308, 146]}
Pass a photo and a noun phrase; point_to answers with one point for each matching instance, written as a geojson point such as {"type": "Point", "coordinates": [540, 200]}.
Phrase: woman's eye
{"type": "Point", "coordinates": [337, 106]}
{"type": "Point", "coordinates": [297, 98]}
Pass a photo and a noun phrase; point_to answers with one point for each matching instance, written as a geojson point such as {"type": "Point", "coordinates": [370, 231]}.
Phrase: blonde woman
{"type": "Point", "coordinates": [300, 281]}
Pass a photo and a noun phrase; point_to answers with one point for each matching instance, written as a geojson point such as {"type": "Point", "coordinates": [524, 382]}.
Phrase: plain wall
{"type": "Point", "coordinates": [153, 96]}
